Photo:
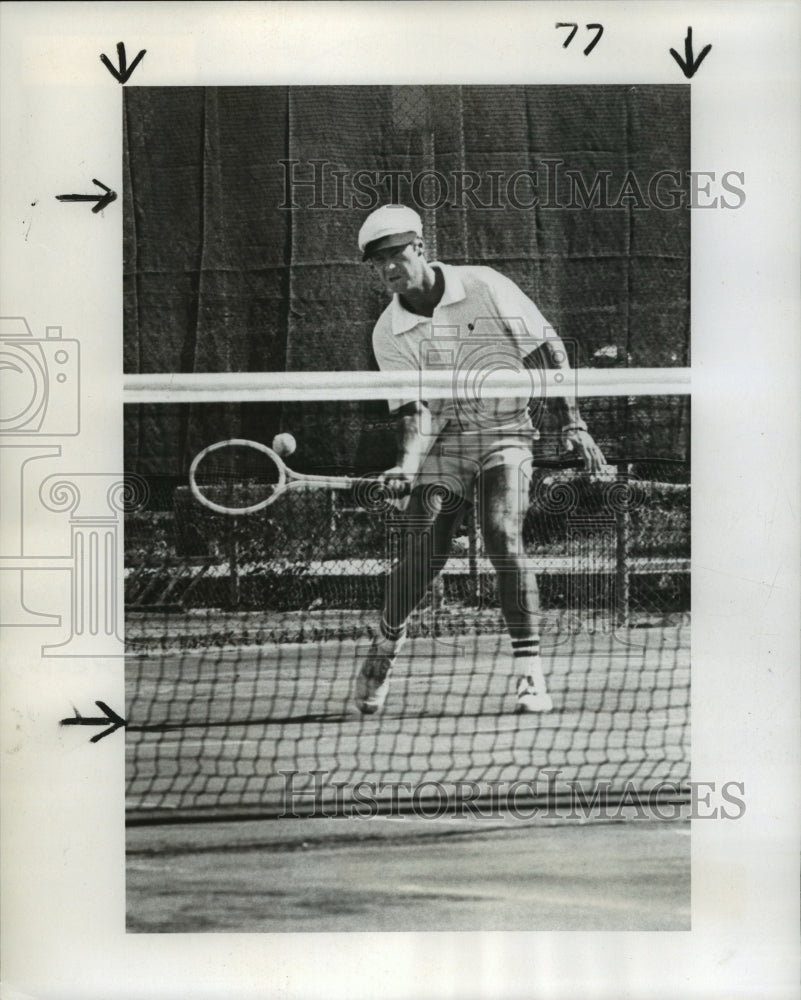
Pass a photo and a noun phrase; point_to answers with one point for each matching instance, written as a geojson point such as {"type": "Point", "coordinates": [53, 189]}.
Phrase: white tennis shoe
{"type": "Point", "coordinates": [531, 698]}
{"type": "Point", "coordinates": [372, 681]}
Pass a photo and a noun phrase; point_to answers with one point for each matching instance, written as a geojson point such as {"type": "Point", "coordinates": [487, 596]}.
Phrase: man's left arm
{"type": "Point", "coordinates": [540, 347]}
{"type": "Point", "coordinates": [551, 354]}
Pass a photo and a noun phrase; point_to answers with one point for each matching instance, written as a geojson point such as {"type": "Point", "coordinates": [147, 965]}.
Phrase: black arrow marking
{"type": "Point", "coordinates": [102, 199]}
{"type": "Point", "coordinates": [109, 716]}
{"type": "Point", "coordinates": [689, 66]}
{"type": "Point", "coordinates": [123, 74]}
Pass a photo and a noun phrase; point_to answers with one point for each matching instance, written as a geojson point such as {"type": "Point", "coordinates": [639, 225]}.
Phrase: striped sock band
{"type": "Point", "coordinates": [526, 647]}
{"type": "Point", "coordinates": [526, 653]}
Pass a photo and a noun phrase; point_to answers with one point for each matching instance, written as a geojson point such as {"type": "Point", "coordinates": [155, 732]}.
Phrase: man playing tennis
{"type": "Point", "coordinates": [473, 320]}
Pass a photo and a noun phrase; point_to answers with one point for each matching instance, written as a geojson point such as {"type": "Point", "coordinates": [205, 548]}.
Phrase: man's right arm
{"type": "Point", "coordinates": [413, 428]}
{"type": "Point", "coordinates": [413, 420]}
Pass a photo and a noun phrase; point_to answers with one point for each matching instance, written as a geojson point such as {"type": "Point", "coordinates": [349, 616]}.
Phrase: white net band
{"type": "Point", "coordinates": [351, 385]}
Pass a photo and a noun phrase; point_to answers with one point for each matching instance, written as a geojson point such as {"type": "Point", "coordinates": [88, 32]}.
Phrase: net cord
{"type": "Point", "coordinates": [351, 385]}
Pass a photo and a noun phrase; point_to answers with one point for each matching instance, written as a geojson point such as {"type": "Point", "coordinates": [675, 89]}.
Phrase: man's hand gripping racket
{"type": "Point", "coordinates": [579, 444]}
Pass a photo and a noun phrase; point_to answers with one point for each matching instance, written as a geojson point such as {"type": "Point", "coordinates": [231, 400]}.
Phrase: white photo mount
{"type": "Point", "coordinates": [63, 836]}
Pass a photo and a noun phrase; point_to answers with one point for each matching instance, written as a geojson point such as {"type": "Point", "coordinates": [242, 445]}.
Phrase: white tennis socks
{"type": "Point", "coordinates": [528, 664]}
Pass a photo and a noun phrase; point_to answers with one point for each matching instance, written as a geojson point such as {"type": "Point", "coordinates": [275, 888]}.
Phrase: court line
{"type": "Point", "coordinates": [567, 900]}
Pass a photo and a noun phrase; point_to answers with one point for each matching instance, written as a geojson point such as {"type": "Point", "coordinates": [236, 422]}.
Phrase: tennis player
{"type": "Point", "coordinates": [469, 320]}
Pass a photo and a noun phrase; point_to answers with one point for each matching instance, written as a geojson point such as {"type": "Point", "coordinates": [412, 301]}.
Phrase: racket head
{"type": "Point", "coordinates": [237, 476]}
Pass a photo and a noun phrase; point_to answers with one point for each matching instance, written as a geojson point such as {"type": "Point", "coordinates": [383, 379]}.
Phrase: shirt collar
{"type": "Point", "coordinates": [403, 320]}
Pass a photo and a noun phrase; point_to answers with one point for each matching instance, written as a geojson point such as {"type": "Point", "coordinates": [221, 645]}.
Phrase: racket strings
{"type": "Point", "coordinates": [236, 476]}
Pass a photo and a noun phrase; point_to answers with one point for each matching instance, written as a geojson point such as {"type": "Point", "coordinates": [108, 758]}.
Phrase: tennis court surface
{"type": "Point", "coordinates": [407, 874]}
{"type": "Point", "coordinates": [270, 731]}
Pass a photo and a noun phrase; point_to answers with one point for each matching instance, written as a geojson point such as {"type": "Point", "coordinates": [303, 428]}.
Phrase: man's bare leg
{"type": "Point", "coordinates": [424, 532]}
{"type": "Point", "coordinates": [503, 502]}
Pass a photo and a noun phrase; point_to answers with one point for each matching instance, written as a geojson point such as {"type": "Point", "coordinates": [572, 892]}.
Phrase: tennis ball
{"type": "Point", "coordinates": [284, 444]}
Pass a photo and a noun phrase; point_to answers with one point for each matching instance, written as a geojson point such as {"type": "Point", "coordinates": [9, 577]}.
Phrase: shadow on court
{"type": "Point", "coordinates": [409, 875]}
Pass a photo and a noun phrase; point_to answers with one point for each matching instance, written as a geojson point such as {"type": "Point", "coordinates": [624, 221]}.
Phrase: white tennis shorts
{"type": "Point", "coordinates": [456, 461]}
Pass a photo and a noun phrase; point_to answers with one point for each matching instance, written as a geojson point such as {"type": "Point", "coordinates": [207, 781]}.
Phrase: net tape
{"type": "Point", "coordinates": [281, 386]}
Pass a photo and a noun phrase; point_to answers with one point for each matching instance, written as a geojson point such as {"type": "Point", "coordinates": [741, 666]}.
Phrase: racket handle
{"type": "Point", "coordinates": [569, 460]}
{"type": "Point", "coordinates": [566, 461]}
{"type": "Point", "coordinates": [393, 487]}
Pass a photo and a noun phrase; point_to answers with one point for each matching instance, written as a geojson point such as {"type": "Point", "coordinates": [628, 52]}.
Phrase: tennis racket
{"type": "Point", "coordinates": [568, 465]}
{"type": "Point", "coordinates": [238, 477]}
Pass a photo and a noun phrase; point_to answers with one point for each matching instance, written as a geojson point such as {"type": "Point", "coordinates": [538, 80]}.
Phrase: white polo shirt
{"type": "Point", "coordinates": [483, 323]}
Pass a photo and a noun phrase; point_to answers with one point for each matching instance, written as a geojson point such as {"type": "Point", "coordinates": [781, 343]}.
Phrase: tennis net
{"type": "Point", "coordinates": [243, 634]}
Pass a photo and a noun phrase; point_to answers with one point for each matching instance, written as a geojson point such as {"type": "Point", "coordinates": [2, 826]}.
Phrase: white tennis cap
{"type": "Point", "coordinates": [389, 226]}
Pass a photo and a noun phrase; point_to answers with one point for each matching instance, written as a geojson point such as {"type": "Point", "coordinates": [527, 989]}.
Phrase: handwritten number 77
{"type": "Point", "coordinates": [598, 28]}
